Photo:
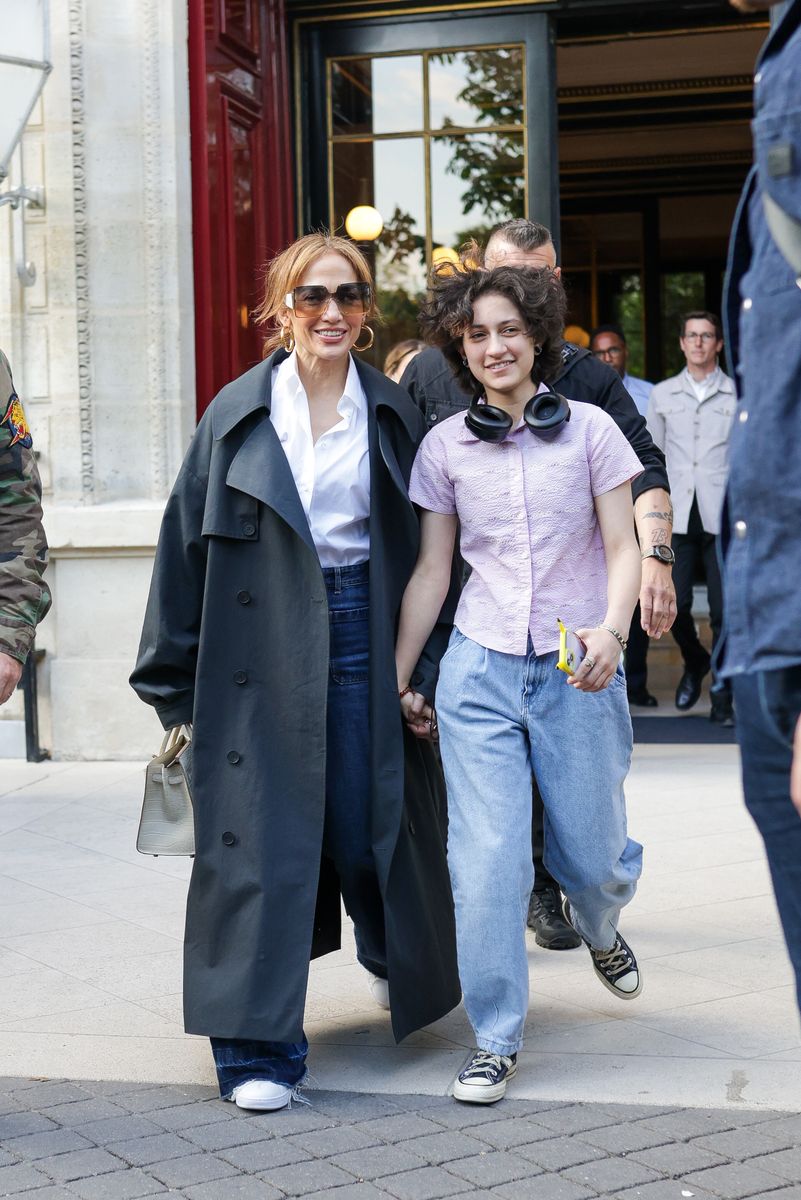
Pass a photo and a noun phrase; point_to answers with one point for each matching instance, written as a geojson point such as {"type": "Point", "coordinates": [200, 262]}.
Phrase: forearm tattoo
{"type": "Point", "coordinates": [659, 537]}
{"type": "Point", "coordinates": [660, 516]}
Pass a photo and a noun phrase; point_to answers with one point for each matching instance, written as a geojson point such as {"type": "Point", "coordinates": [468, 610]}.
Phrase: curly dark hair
{"type": "Point", "coordinates": [537, 295]}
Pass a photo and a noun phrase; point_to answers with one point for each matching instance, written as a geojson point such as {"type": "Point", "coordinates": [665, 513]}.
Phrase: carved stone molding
{"type": "Point", "coordinates": [81, 234]}
{"type": "Point", "coordinates": [156, 259]}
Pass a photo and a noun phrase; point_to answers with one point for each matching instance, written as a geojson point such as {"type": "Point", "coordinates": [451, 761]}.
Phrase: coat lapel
{"type": "Point", "coordinates": [260, 468]}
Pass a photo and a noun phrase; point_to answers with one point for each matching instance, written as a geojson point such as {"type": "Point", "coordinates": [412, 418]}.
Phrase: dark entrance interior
{"type": "Point", "coordinates": [447, 124]}
{"type": "Point", "coordinates": [654, 145]}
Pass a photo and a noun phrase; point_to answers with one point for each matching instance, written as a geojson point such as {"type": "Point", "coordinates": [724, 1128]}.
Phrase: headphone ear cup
{"type": "Point", "coordinates": [488, 423]}
{"type": "Point", "coordinates": [546, 412]}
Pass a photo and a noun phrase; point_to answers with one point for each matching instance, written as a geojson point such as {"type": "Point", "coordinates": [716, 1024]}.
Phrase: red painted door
{"type": "Point", "coordinates": [242, 196]}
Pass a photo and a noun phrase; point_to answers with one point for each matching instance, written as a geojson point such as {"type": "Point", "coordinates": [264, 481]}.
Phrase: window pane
{"type": "Point", "coordinates": [351, 96]}
{"type": "Point", "coordinates": [390, 176]}
{"type": "Point", "coordinates": [377, 95]}
{"type": "Point", "coordinates": [682, 292]}
{"type": "Point", "coordinates": [477, 180]}
{"type": "Point", "coordinates": [476, 87]}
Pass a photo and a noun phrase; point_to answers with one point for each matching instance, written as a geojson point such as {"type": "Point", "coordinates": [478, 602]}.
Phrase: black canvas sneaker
{"type": "Point", "coordinates": [484, 1079]}
{"type": "Point", "coordinates": [616, 968]}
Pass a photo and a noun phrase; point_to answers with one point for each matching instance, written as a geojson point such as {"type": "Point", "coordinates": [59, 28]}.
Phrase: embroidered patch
{"type": "Point", "coordinates": [17, 422]}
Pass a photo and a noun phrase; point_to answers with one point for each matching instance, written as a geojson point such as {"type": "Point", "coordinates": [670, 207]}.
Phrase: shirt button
{"type": "Point", "coordinates": [228, 838]}
{"type": "Point", "coordinates": [433, 416]}
{"type": "Point", "coordinates": [243, 597]}
{"type": "Point", "coordinates": [743, 416]}
{"type": "Point", "coordinates": [740, 529]}
{"type": "Point", "coordinates": [284, 437]}
{"type": "Point", "coordinates": [233, 757]}
{"type": "Point", "coordinates": [248, 529]}
{"type": "Point", "coordinates": [747, 304]}
{"type": "Point", "coordinates": [758, 77]}
{"type": "Point", "coordinates": [240, 677]}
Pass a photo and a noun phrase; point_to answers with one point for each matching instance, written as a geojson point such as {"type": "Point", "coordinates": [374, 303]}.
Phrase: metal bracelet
{"type": "Point", "coordinates": [616, 634]}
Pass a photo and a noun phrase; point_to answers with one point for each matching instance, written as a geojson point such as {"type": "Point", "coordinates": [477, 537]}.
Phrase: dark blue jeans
{"type": "Point", "coordinates": [347, 836]}
{"type": "Point", "coordinates": [768, 707]}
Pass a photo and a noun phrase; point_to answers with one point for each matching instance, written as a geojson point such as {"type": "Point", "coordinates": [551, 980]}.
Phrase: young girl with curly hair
{"type": "Point", "coordinates": [540, 491]}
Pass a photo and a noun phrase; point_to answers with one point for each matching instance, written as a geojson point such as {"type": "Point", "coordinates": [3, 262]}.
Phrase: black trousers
{"type": "Point", "coordinates": [637, 655]}
{"type": "Point", "coordinates": [696, 557]}
{"type": "Point", "coordinates": [543, 879]}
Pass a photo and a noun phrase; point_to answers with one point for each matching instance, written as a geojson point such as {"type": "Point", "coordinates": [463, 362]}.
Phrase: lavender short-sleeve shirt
{"type": "Point", "coordinates": [528, 525]}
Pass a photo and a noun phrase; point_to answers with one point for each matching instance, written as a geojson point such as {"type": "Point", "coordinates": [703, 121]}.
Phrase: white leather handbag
{"type": "Point", "coordinates": [166, 825]}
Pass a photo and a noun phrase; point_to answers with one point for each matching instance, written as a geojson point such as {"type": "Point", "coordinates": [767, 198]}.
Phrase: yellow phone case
{"type": "Point", "coordinates": [571, 651]}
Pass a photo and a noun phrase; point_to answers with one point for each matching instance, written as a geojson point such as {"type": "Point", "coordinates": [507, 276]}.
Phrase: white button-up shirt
{"type": "Point", "coordinates": [332, 475]}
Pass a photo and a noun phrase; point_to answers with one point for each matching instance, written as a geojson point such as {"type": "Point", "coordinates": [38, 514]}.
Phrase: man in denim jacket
{"type": "Point", "coordinates": [761, 649]}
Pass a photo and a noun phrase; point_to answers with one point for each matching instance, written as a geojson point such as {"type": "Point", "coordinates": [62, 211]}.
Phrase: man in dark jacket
{"type": "Point", "coordinates": [429, 381]}
{"type": "Point", "coordinates": [761, 642]}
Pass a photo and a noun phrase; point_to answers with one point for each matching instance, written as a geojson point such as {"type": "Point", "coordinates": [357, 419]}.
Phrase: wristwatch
{"type": "Point", "coordinates": [663, 553]}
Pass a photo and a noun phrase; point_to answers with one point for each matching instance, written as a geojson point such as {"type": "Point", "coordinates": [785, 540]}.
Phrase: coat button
{"type": "Point", "coordinates": [233, 757]}
{"type": "Point", "coordinates": [243, 597]}
{"type": "Point", "coordinates": [248, 529]}
{"type": "Point", "coordinates": [747, 304]}
{"type": "Point", "coordinates": [740, 529]}
{"type": "Point", "coordinates": [228, 838]}
{"type": "Point", "coordinates": [240, 677]}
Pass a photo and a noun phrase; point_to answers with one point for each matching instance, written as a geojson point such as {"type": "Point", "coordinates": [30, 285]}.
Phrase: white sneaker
{"type": "Point", "coordinates": [379, 990]}
{"type": "Point", "coordinates": [261, 1095]}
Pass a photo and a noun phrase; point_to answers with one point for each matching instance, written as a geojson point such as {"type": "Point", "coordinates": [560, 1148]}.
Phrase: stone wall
{"type": "Point", "coordinates": [102, 349]}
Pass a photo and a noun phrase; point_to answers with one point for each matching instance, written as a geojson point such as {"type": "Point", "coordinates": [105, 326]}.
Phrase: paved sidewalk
{"type": "Point", "coordinates": [113, 1141]}
{"type": "Point", "coordinates": [90, 958]}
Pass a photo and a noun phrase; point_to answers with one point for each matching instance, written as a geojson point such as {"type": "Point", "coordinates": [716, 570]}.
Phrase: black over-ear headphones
{"type": "Point", "coordinates": [544, 414]}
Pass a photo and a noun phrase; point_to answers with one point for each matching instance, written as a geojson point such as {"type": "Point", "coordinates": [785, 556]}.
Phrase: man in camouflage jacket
{"type": "Point", "coordinates": [24, 597]}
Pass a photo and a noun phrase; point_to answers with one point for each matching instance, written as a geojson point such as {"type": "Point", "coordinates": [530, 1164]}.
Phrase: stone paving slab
{"type": "Point", "coordinates": [63, 1140]}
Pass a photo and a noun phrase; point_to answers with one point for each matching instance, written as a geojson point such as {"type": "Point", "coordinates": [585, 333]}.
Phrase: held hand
{"type": "Point", "coordinates": [418, 715]}
{"type": "Point", "coordinates": [10, 675]}
{"type": "Point", "coordinates": [795, 769]}
{"type": "Point", "coordinates": [657, 598]}
{"type": "Point", "coordinates": [600, 663]}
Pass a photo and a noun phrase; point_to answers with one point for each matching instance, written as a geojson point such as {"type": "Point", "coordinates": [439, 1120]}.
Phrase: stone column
{"type": "Point", "coordinates": [102, 348]}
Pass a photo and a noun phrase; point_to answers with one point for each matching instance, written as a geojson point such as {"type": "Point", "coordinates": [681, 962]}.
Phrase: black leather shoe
{"type": "Point", "coordinates": [643, 698]}
{"type": "Point", "coordinates": [689, 689]}
{"type": "Point", "coordinates": [722, 712]}
{"type": "Point", "coordinates": [551, 930]}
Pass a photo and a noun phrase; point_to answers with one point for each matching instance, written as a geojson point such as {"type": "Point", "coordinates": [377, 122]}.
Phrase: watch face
{"type": "Point", "coordinates": [665, 553]}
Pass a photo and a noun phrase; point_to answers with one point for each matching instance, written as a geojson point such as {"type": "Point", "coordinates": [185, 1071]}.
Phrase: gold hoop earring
{"type": "Point", "coordinates": [369, 344]}
{"type": "Point", "coordinates": [288, 342]}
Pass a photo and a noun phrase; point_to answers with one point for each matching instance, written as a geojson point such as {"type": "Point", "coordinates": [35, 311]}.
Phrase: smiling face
{"type": "Point", "coordinates": [330, 334]}
{"type": "Point", "coordinates": [500, 350]}
{"type": "Point", "coordinates": [701, 346]}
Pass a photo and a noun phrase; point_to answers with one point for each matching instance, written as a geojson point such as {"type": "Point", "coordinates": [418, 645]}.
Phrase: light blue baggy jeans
{"type": "Point", "coordinates": [502, 716]}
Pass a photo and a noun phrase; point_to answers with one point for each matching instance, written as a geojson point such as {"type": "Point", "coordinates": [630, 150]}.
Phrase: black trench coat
{"type": "Point", "coordinates": [235, 640]}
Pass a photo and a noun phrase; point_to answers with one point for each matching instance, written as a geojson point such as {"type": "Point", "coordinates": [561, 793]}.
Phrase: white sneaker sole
{"type": "Point", "coordinates": [482, 1093]}
{"type": "Point", "coordinates": [259, 1104]}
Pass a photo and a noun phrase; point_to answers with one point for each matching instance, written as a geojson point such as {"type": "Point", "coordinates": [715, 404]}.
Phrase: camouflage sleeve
{"type": "Point", "coordinates": [24, 597]}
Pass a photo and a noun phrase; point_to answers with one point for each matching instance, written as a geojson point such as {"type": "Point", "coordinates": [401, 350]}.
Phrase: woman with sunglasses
{"type": "Point", "coordinates": [541, 491]}
{"type": "Point", "coordinates": [285, 549]}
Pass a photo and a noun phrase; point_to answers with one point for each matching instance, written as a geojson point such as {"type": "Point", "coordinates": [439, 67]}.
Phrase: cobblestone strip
{"type": "Point", "coordinates": [120, 1141]}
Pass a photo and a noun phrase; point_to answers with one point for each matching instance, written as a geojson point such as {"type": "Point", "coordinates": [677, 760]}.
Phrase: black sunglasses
{"type": "Point", "coordinates": [313, 299]}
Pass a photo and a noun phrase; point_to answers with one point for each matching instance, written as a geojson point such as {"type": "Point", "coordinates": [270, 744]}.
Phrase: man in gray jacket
{"type": "Point", "coordinates": [690, 418]}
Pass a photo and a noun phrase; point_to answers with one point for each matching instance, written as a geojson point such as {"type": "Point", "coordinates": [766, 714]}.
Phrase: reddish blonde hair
{"type": "Point", "coordinates": [287, 269]}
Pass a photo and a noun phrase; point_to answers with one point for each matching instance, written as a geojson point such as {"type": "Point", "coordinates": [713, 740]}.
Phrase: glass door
{"type": "Point", "coordinates": [440, 134]}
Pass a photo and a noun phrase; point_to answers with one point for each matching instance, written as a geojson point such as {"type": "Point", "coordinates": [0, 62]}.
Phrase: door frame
{"type": "Point", "coordinates": [315, 43]}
